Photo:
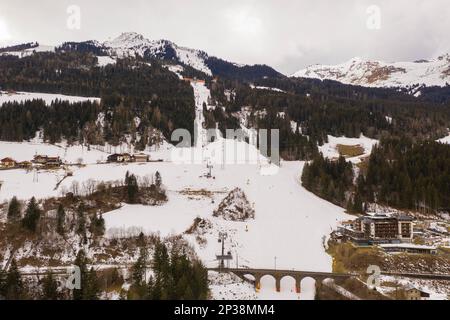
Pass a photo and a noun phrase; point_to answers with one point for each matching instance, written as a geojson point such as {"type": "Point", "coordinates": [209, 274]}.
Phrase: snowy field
{"type": "Point", "coordinates": [105, 60]}
{"type": "Point", "coordinates": [267, 88]}
{"type": "Point", "coordinates": [25, 151]}
{"type": "Point", "coordinates": [290, 222]}
{"type": "Point", "coordinates": [77, 153]}
{"type": "Point", "coordinates": [47, 97]}
{"type": "Point", "coordinates": [29, 52]}
{"type": "Point", "coordinates": [329, 149]}
{"type": "Point", "coordinates": [298, 219]}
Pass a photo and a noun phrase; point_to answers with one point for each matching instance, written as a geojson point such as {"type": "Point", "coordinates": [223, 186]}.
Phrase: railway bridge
{"type": "Point", "coordinates": [257, 274]}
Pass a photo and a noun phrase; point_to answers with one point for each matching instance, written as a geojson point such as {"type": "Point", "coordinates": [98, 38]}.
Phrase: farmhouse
{"type": "Point", "coordinates": [53, 162]}
{"type": "Point", "coordinates": [8, 163]}
{"type": "Point", "coordinates": [412, 293]}
{"type": "Point", "coordinates": [39, 159]}
{"type": "Point", "coordinates": [126, 157]}
{"type": "Point", "coordinates": [25, 164]}
{"type": "Point", "coordinates": [116, 157]}
{"type": "Point", "coordinates": [47, 161]}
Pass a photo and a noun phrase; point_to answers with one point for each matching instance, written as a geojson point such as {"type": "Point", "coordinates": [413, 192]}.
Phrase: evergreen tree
{"type": "Point", "coordinates": [328, 179]}
{"type": "Point", "coordinates": [97, 225]}
{"type": "Point", "coordinates": [151, 289]}
{"type": "Point", "coordinates": [132, 188]}
{"type": "Point", "coordinates": [60, 219]}
{"type": "Point", "coordinates": [138, 271]}
{"type": "Point", "coordinates": [2, 284]}
{"type": "Point", "coordinates": [92, 290]}
{"type": "Point", "coordinates": [176, 277]}
{"type": "Point", "coordinates": [158, 180]}
{"type": "Point", "coordinates": [32, 215]}
{"type": "Point", "coordinates": [49, 287]}
{"type": "Point", "coordinates": [14, 287]}
{"type": "Point", "coordinates": [14, 209]}
{"type": "Point", "coordinates": [81, 223]}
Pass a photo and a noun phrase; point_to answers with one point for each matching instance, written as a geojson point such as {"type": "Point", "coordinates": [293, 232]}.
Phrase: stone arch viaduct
{"type": "Point", "coordinates": [280, 274]}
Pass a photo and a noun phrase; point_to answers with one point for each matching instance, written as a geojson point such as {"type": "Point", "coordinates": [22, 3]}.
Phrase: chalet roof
{"type": "Point", "coordinates": [7, 159]}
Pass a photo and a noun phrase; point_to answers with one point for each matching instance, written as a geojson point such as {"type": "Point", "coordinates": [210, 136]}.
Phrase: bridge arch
{"type": "Point", "coordinates": [308, 287]}
{"type": "Point", "coordinates": [288, 283]}
{"type": "Point", "coordinates": [266, 281]}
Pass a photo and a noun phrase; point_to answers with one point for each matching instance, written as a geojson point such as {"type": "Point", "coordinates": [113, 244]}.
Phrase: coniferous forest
{"type": "Point", "coordinates": [399, 173]}
{"type": "Point", "coordinates": [129, 89]}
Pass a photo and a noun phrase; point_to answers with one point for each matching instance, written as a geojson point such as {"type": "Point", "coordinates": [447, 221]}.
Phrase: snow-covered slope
{"type": "Point", "coordinates": [48, 98]}
{"type": "Point", "coordinates": [29, 51]}
{"type": "Point", "coordinates": [370, 73]}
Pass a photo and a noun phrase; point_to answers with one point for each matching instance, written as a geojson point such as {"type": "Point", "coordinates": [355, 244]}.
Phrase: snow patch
{"type": "Point", "coordinates": [47, 97]}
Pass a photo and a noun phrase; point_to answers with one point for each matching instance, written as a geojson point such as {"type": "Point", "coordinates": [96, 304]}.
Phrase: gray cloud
{"type": "Point", "coordinates": [285, 34]}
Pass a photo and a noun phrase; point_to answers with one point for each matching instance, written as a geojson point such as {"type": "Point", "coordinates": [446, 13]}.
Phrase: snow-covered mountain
{"type": "Point", "coordinates": [370, 73]}
{"type": "Point", "coordinates": [132, 44]}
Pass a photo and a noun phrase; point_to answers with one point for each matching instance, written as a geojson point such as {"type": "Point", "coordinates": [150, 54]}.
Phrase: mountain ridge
{"type": "Point", "coordinates": [132, 44]}
{"type": "Point", "coordinates": [374, 73]}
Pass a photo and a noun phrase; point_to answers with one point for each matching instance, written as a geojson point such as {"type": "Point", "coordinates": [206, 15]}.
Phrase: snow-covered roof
{"type": "Point", "coordinates": [407, 245]}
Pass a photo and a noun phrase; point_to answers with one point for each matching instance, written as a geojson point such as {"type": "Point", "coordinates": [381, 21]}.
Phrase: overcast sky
{"type": "Point", "coordinates": [286, 34]}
